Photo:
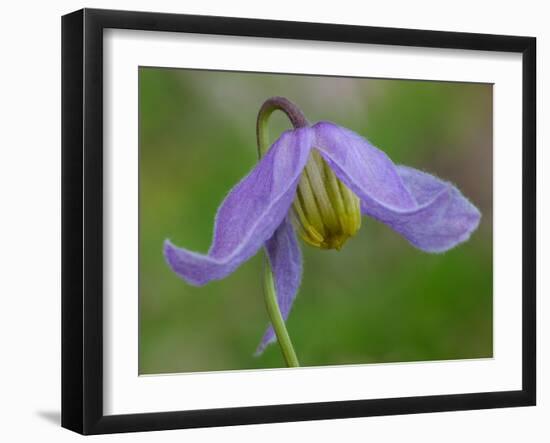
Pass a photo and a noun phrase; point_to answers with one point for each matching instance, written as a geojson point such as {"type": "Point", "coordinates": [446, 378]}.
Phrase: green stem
{"type": "Point", "coordinates": [292, 111]}
{"type": "Point", "coordinates": [277, 320]}
{"type": "Point", "coordinates": [298, 120]}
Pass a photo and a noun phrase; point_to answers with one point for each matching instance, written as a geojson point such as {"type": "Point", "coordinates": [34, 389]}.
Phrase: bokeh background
{"type": "Point", "coordinates": [378, 299]}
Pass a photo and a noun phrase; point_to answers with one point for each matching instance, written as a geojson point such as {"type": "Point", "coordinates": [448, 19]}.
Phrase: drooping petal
{"type": "Point", "coordinates": [250, 213]}
{"type": "Point", "coordinates": [366, 170]}
{"type": "Point", "coordinates": [432, 214]}
{"type": "Point", "coordinates": [285, 258]}
{"type": "Point", "coordinates": [444, 217]}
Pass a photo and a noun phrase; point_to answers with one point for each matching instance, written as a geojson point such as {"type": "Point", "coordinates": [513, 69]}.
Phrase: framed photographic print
{"type": "Point", "coordinates": [270, 221]}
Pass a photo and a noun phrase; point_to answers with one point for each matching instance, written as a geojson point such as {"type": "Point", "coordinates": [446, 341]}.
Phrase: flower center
{"type": "Point", "coordinates": [325, 212]}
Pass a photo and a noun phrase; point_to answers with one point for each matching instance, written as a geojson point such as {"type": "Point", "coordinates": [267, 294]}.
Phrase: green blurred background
{"type": "Point", "coordinates": [378, 299]}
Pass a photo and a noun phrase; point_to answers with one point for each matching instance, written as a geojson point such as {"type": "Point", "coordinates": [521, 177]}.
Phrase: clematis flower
{"type": "Point", "coordinates": [317, 181]}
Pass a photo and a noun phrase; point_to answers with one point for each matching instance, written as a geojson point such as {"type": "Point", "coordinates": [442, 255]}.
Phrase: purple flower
{"type": "Point", "coordinates": [317, 180]}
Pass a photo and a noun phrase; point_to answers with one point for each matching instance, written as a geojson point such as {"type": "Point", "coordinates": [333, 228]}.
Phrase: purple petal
{"type": "Point", "coordinates": [366, 170]}
{"type": "Point", "coordinates": [444, 217]}
{"type": "Point", "coordinates": [432, 214]}
{"type": "Point", "coordinates": [250, 213]}
{"type": "Point", "coordinates": [285, 258]}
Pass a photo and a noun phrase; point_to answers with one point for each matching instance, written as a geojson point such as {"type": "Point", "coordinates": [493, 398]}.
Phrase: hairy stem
{"type": "Point", "coordinates": [277, 320]}
{"type": "Point", "coordinates": [292, 111]}
{"type": "Point", "coordinates": [298, 120]}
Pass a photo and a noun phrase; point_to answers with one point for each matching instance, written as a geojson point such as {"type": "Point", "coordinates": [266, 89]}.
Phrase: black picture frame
{"type": "Point", "coordinates": [82, 220]}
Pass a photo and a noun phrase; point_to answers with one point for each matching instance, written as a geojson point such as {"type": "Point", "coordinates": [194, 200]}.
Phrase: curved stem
{"type": "Point", "coordinates": [277, 320]}
{"type": "Point", "coordinates": [298, 120]}
{"type": "Point", "coordinates": [292, 111]}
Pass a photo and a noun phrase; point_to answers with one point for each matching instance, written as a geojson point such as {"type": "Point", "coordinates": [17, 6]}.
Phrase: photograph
{"type": "Point", "coordinates": [269, 221]}
{"type": "Point", "coordinates": [291, 220]}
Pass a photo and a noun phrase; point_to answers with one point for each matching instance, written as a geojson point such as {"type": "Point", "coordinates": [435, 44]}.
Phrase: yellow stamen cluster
{"type": "Point", "coordinates": [325, 212]}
